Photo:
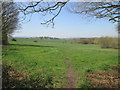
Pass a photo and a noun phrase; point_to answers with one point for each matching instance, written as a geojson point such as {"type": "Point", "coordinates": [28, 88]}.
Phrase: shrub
{"type": "Point", "coordinates": [13, 39]}
{"type": "Point", "coordinates": [85, 41]}
{"type": "Point", "coordinates": [35, 41]}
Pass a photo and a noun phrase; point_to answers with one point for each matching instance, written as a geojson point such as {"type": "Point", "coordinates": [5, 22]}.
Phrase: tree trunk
{"type": "Point", "coordinates": [4, 39]}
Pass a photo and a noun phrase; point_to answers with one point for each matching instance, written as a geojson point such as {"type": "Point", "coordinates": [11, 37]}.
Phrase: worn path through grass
{"type": "Point", "coordinates": [71, 75]}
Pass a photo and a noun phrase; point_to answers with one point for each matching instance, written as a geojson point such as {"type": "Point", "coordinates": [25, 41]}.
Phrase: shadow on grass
{"type": "Point", "coordinates": [14, 79]}
{"type": "Point", "coordinates": [30, 45]}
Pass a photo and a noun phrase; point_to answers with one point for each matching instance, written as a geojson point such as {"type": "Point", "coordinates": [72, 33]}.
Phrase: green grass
{"type": "Point", "coordinates": [45, 59]}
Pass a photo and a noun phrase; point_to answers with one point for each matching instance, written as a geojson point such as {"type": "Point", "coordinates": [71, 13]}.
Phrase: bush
{"type": "Point", "coordinates": [86, 41]}
{"type": "Point", "coordinates": [13, 39]}
{"type": "Point", "coordinates": [35, 41]}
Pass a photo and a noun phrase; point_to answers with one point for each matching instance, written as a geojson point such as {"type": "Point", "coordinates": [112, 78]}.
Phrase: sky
{"type": "Point", "coordinates": [67, 25]}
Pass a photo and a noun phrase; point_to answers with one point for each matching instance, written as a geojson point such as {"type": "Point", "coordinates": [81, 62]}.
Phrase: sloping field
{"type": "Point", "coordinates": [49, 63]}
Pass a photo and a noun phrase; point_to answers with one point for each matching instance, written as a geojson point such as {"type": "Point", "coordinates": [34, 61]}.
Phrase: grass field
{"type": "Point", "coordinates": [43, 63]}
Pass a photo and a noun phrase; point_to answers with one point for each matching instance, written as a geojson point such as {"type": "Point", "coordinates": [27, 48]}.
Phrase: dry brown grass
{"type": "Point", "coordinates": [104, 79]}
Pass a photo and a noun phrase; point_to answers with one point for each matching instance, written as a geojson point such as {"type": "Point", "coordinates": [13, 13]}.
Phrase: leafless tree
{"type": "Point", "coordinates": [118, 27]}
{"type": "Point", "coordinates": [9, 16]}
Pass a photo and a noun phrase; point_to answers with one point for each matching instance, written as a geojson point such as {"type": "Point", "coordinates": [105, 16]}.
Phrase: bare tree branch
{"type": "Point", "coordinates": [44, 8]}
{"type": "Point", "coordinates": [98, 9]}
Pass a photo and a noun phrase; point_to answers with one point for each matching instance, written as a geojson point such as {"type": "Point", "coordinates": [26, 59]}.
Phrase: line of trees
{"type": "Point", "coordinates": [47, 37]}
{"type": "Point", "coordinates": [104, 42]}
